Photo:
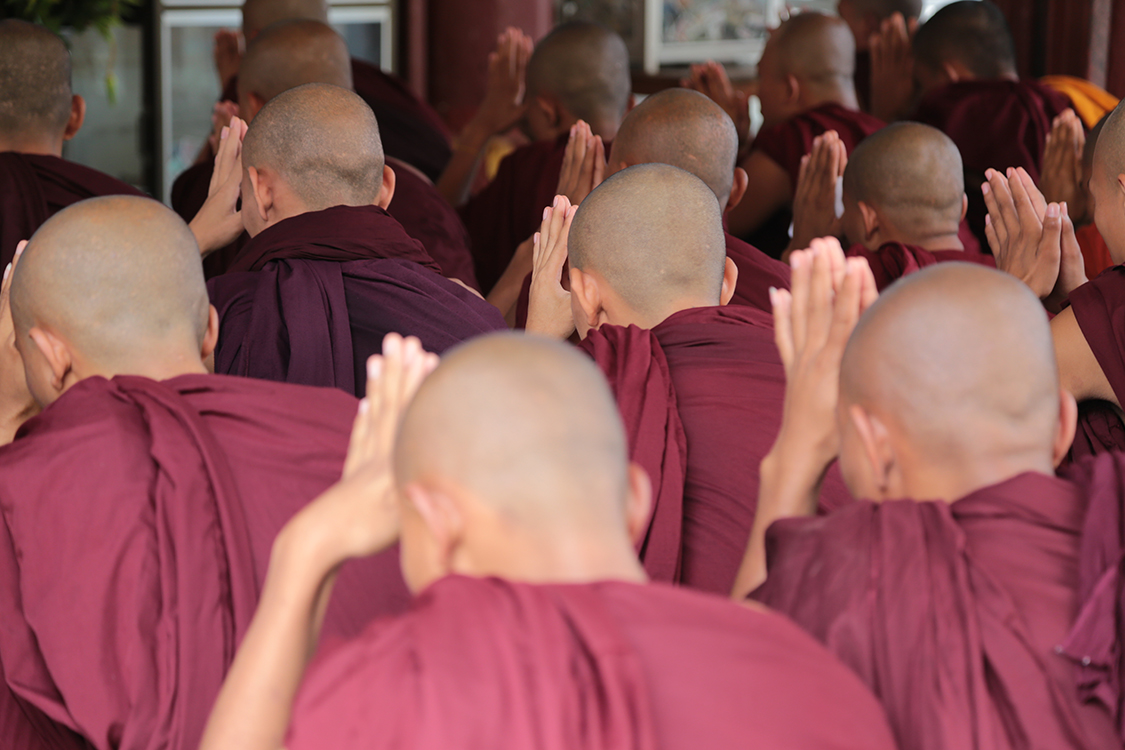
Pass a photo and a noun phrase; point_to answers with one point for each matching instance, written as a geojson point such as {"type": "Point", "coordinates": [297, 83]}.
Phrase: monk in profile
{"type": "Point", "coordinates": [327, 272]}
{"type": "Point", "coordinates": [698, 382]}
{"type": "Point", "coordinates": [952, 586]}
{"type": "Point", "coordinates": [140, 506]}
{"type": "Point", "coordinates": [534, 625]}
{"type": "Point", "coordinates": [39, 113]}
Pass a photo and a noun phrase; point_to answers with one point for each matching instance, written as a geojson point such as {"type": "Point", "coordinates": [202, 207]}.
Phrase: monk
{"type": "Point", "coordinates": [327, 272]}
{"type": "Point", "coordinates": [38, 113]}
{"type": "Point", "coordinates": [950, 588]}
{"type": "Point", "coordinates": [698, 382]}
{"type": "Point", "coordinates": [534, 625]}
{"type": "Point", "coordinates": [580, 71]}
{"type": "Point", "coordinates": [965, 66]}
{"type": "Point", "coordinates": [872, 23]}
{"type": "Point", "coordinates": [140, 506]}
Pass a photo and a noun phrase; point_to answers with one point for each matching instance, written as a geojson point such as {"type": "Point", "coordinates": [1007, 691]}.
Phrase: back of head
{"type": "Point", "coordinates": [973, 33]}
{"type": "Point", "coordinates": [527, 426]}
{"type": "Point", "coordinates": [958, 359]}
{"type": "Point", "coordinates": [912, 174]}
{"type": "Point", "coordinates": [815, 48]}
{"type": "Point", "coordinates": [323, 141]}
{"type": "Point", "coordinates": [118, 278]}
{"type": "Point", "coordinates": [291, 54]}
{"type": "Point", "coordinates": [257, 15]}
{"type": "Point", "coordinates": [586, 66]}
{"type": "Point", "coordinates": [1105, 186]}
{"type": "Point", "coordinates": [684, 129]}
{"type": "Point", "coordinates": [654, 233]}
{"type": "Point", "coordinates": [35, 93]}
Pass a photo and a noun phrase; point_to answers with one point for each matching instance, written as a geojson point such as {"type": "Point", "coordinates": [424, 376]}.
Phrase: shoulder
{"type": "Point", "coordinates": [304, 406]}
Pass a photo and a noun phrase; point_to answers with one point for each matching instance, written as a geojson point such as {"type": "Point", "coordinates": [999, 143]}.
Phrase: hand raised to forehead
{"type": "Point", "coordinates": [584, 164]}
{"type": "Point", "coordinates": [219, 221]}
{"type": "Point", "coordinates": [1026, 244]}
{"type": "Point", "coordinates": [549, 310]}
{"type": "Point", "coordinates": [814, 203]}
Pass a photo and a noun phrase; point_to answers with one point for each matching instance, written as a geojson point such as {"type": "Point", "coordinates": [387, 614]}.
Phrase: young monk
{"type": "Point", "coordinates": [951, 587]}
{"type": "Point", "coordinates": [871, 22]}
{"type": "Point", "coordinates": [534, 625]}
{"type": "Point", "coordinates": [140, 507]}
{"type": "Point", "coordinates": [327, 272]}
{"type": "Point", "coordinates": [38, 113]}
{"type": "Point", "coordinates": [698, 382]}
{"type": "Point", "coordinates": [580, 71]}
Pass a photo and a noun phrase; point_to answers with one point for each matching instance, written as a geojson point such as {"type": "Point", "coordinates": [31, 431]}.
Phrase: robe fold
{"type": "Point", "coordinates": [701, 397]}
{"type": "Point", "coordinates": [138, 522]}
{"type": "Point", "coordinates": [33, 188]}
{"type": "Point", "coordinates": [951, 613]}
{"type": "Point", "coordinates": [609, 665]}
{"type": "Point", "coordinates": [310, 299]}
{"type": "Point", "coordinates": [1099, 308]}
{"type": "Point", "coordinates": [894, 260]}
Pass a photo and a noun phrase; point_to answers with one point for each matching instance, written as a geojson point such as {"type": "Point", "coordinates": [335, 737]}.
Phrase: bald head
{"type": "Point", "coordinates": [684, 129]}
{"type": "Point", "coordinates": [912, 174]}
{"type": "Point", "coordinates": [586, 67]}
{"type": "Point", "coordinates": [1109, 149]}
{"type": "Point", "coordinates": [323, 142]}
{"type": "Point", "coordinates": [654, 234]}
{"type": "Point", "coordinates": [257, 15]}
{"type": "Point", "coordinates": [526, 425]}
{"type": "Point", "coordinates": [815, 48]}
{"type": "Point", "coordinates": [973, 33]}
{"type": "Point", "coordinates": [35, 94]}
{"type": "Point", "coordinates": [291, 54]}
{"type": "Point", "coordinates": [957, 389]}
{"type": "Point", "coordinates": [118, 278]}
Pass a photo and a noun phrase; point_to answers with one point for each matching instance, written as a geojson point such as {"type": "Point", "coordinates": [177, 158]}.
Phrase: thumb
{"type": "Point", "coordinates": [1050, 243]}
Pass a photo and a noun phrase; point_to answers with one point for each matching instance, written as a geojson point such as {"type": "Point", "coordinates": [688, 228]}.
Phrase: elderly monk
{"type": "Point", "coordinates": [327, 272]}
{"type": "Point", "coordinates": [38, 113]}
{"type": "Point", "coordinates": [869, 21]}
{"type": "Point", "coordinates": [805, 87]}
{"type": "Point", "coordinates": [965, 66]}
{"type": "Point", "coordinates": [534, 625]}
{"type": "Point", "coordinates": [951, 587]}
{"type": "Point", "coordinates": [294, 53]}
{"type": "Point", "coordinates": [698, 383]}
{"type": "Point", "coordinates": [580, 71]}
{"type": "Point", "coordinates": [140, 507]}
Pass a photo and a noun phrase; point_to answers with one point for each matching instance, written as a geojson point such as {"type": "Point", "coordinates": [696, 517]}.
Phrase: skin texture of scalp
{"type": "Point", "coordinates": [292, 54]}
{"type": "Point", "coordinates": [35, 70]}
{"type": "Point", "coordinates": [973, 33]}
{"type": "Point", "coordinates": [817, 49]}
{"type": "Point", "coordinates": [586, 66]}
{"type": "Point", "coordinates": [257, 15]}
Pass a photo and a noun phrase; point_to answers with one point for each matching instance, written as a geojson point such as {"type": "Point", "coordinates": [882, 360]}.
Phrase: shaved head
{"type": "Point", "coordinates": [526, 425]}
{"type": "Point", "coordinates": [1109, 150]}
{"type": "Point", "coordinates": [654, 233]}
{"type": "Point", "coordinates": [912, 174]}
{"type": "Point", "coordinates": [1105, 182]}
{"type": "Point", "coordinates": [958, 388]}
{"type": "Point", "coordinates": [35, 93]}
{"type": "Point", "coordinates": [684, 129]}
{"type": "Point", "coordinates": [323, 141]}
{"type": "Point", "coordinates": [257, 15]}
{"type": "Point", "coordinates": [118, 277]}
{"type": "Point", "coordinates": [973, 33]}
{"type": "Point", "coordinates": [815, 48]}
{"type": "Point", "coordinates": [586, 67]}
{"type": "Point", "coordinates": [291, 54]}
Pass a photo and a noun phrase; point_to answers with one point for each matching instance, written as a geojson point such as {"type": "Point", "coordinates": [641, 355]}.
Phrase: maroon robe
{"type": "Point", "coordinates": [138, 522]}
{"type": "Point", "coordinates": [951, 613]}
{"type": "Point", "coordinates": [33, 188]}
{"type": "Point", "coordinates": [610, 665]}
{"type": "Point", "coordinates": [310, 299]}
{"type": "Point", "coordinates": [996, 124]}
{"type": "Point", "coordinates": [894, 260]}
{"type": "Point", "coordinates": [701, 397]}
{"type": "Point", "coordinates": [1099, 308]}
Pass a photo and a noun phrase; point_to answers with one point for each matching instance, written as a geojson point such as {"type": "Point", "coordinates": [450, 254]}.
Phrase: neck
{"type": "Point", "coordinates": [941, 239]}
{"type": "Point", "coordinates": [551, 558]}
{"type": "Point", "coordinates": [838, 91]}
{"type": "Point", "coordinates": [934, 479]}
{"type": "Point", "coordinates": [34, 145]}
{"type": "Point", "coordinates": [154, 368]}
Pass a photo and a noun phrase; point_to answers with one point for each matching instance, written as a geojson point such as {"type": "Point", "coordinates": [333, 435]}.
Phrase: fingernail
{"type": "Point", "coordinates": [374, 367]}
{"type": "Point", "coordinates": [1065, 209]}
{"type": "Point", "coordinates": [7, 271]}
{"type": "Point", "coordinates": [223, 133]}
{"type": "Point", "coordinates": [988, 220]}
{"type": "Point", "coordinates": [363, 406]}
{"type": "Point", "coordinates": [556, 203]}
{"type": "Point", "coordinates": [773, 295]}
{"type": "Point", "coordinates": [1053, 211]}
{"type": "Point", "coordinates": [547, 210]}
{"type": "Point", "coordinates": [986, 188]}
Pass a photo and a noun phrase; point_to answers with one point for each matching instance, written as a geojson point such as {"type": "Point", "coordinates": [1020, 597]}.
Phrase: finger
{"type": "Point", "coordinates": [1050, 241]}
{"type": "Point", "coordinates": [800, 279]}
{"type": "Point", "coordinates": [837, 263]}
{"type": "Point", "coordinates": [1001, 207]}
{"type": "Point", "coordinates": [870, 286]}
{"type": "Point", "coordinates": [1038, 202]}
{"type": "Point", "coordinates": [536, 255]}
{"type": "Point", "coordinates": [782, 303]}
{"type": "Point", "coordinates": [599, 163]}
{"type": "Point", "coordinates": [1029, 221]}
{"type": "Point", "coordinates": [990, 235]}
{"type": "Point", "coordinates": [847, 307]}
{"type": "Point", "coordinates": [819, 314]}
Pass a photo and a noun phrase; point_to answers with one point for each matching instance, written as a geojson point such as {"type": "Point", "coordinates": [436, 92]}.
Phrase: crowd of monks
{"type": "Point", "coordinates": [658, 434]}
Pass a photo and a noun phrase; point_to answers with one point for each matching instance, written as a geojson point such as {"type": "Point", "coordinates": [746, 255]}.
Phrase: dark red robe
{"type": "Point", "coordinates": [609, 665]}
{"type": "Point", "coordinates": [951, 613]}
{"type": "Point", "coordinates": [1099, 308]}
{"type": "Point", "coordinates": [189, 193]}
{"type": "Point", "coordinates": [310, 299]}
{"type": "Point", "coordinates": [701, 397]}
{"type": "Point", "coordinates": [138, 522]}
{"type": "Point", "coordinates": [894, 260]}
{"type": "Point", "coordinates": [33, 188]}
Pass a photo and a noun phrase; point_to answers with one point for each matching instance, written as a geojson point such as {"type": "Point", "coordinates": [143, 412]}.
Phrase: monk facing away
{"type": "Point", "coordinates": [533, 624]}
{"type": "Point", "coordinates": [140, 506]}
{"type": "Point", "coordinates": [327, 272]}
{"type": "Point", "coordinates": [698, 382]}
{"type": "Point", "coordinates": [951, 588]}
{"type": "Point", "coordinates": [38, 113]}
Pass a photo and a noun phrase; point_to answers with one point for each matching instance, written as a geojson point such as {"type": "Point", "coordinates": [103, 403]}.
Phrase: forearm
{"type": "Point", "coordinates": [456, 181]}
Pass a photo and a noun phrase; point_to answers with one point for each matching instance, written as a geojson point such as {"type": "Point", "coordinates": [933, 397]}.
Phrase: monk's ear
{"type": "Point", "coordinates": [951, 72]}
{"type": "Point", "coordinates": [443, 520]}
{"type": "Point", "coordinates": [871, 224]}
{"type": "Point", "coordinates": [586, 300]}
{"type": "Point", "coordinates": [877, 450]}
{"type": "Point", "coordinates": [1068, 424]}
{"type": "Point", "coordinates": [638, 508]}
{"type": "Point", "coordinates": [792, 89]}
{"type": "Point", "coordinates": [964, 206]}
{"type": "Point", "coordinates": [56, 354]}
{"type": "Point", "coordinates": [730, 282]}
{"type": "Point", "coordinates": [210, 336]}
{"type": "Point", "coordinates": [262, 186]}
{"type": "Point", "coordinates": [737, 188]}
{"type": "Point", "coordinates": [387, 191]}
{"type": "Point", "coordinates": [77, 117]}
